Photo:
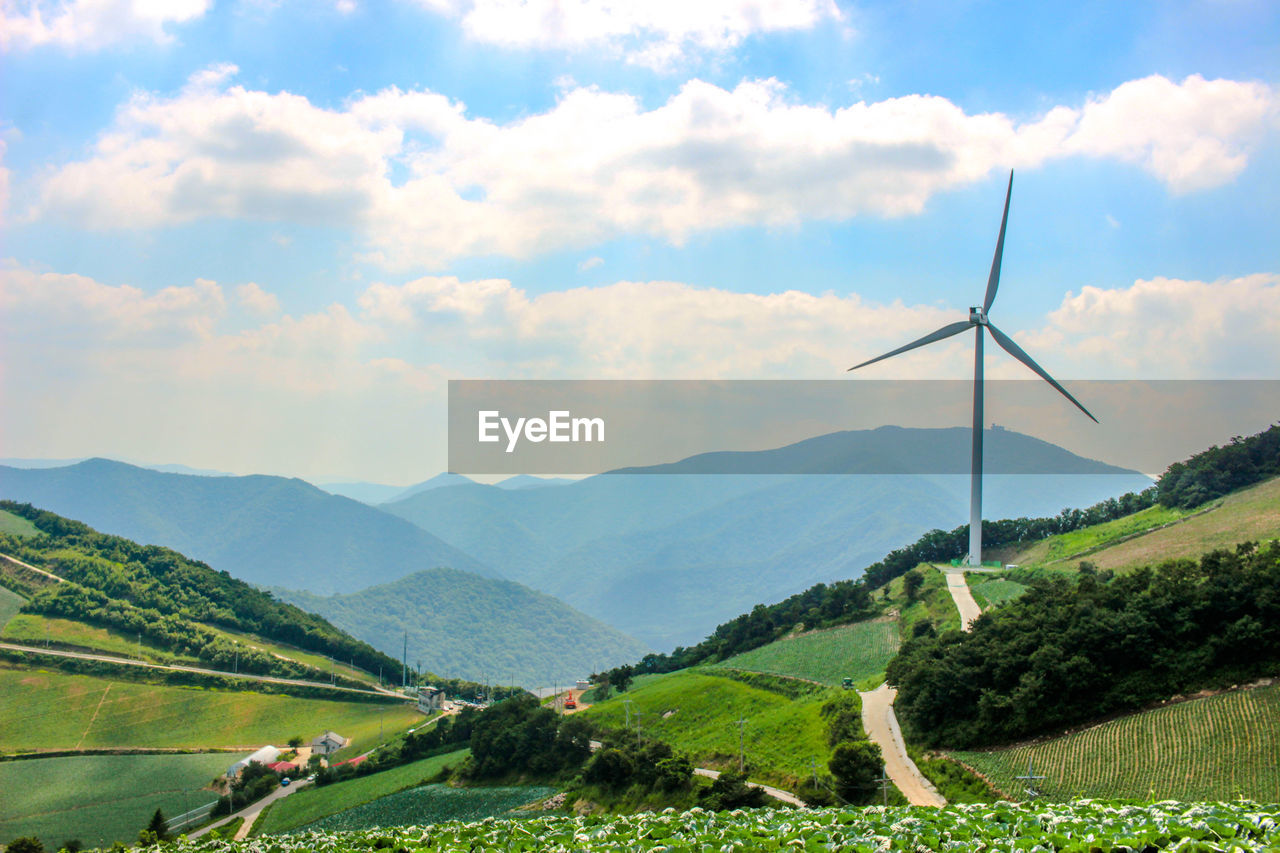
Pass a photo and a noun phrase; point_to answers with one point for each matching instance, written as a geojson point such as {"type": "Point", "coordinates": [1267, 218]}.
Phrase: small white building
{"type": "Point", "coordinates": [327, 743]}
{"type": "Point", "coordinates": [582, 685]}
{"type": "Point", "coordinates": [265, 755]}
{"type": "Point", "coordinates": [430, 699]}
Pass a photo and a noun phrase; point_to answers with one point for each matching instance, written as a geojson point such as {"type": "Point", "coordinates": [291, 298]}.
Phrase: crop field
{"type": "Point", "coordinates": [16, 525]}
{"type": "Point", "coordinates": [53, 711]}
{"type": "Point", "coordinates": [313, 803]}
{"type": "Point", "coordinates": [1214, 748]}
{"type": "Point", "coordinates": [1003, 826]}
{"type": "Point", "coordinates": [992, 592]}
{"type": "Point", "coordinates": [431, 804]}
{"type": "Point", "coordinates": [693, 711]}
{"type": "Point", "coordinates": [101, 798]}
{"type": "Point", "coordinates": [10, 602]}
{"type": "Point", "coordinates": [854, 651]}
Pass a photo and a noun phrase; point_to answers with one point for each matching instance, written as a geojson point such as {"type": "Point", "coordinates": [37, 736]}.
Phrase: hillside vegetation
{"type": "Point", "coordinates": [1221, 747]}
{"type": "Point", "coordinates": [1073, 648]}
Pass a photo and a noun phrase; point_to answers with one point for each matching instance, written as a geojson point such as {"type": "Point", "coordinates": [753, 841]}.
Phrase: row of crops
{"type": "Point", "coordinates": [1216, 747]}
{"type": "Point", "coordinates": [429, 804]}
{"type": "Point", "coordinates": [1082, 826]}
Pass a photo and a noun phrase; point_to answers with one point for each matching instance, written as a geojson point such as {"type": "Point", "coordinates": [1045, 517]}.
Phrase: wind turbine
{"type": "Point", "coordinates": [978, 321]}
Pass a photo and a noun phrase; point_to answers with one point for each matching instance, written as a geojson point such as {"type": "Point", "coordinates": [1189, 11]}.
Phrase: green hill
{"type": "Point", "coordinates": [695, 712]}
{"type": "Point", "coordinates": [1221, 747]}
{"type": "Point", "coordinates": [477, 628]}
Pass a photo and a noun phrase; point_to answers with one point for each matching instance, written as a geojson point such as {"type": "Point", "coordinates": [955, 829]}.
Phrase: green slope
{"type": "Point", "coordinates": [1219, 747]}
{"type": "Point", "coordinates": [854, 651]}
{"type": "Point", "coordinates": [42, 711]}
{"type": "Point", "coordinates": [694, 711]}
{"type": "Point", "coordinates": [477, 627]}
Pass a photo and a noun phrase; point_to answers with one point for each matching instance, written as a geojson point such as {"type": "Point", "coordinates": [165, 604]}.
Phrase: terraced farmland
{"type": "Point", "coordinates": [101, 798]}
{"type": "Point", "coordinates": [52, 711]}
{"type": "Point", "coordinates": [849, 651]}
{"type": "Point", "coordinates": [1215, 748]}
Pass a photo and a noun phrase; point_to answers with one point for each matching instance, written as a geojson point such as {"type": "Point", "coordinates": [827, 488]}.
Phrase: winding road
{"type": "Point", "coordinates": [962, 596]}
{"type": "Point", "coordinates": [882, 727]}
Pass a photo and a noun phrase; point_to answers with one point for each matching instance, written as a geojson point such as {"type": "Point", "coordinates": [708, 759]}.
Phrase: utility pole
{"type": "Point", "coordinates": [627, 703]}
{"type": "Point", "coordinates": [1030, 780]}
{"type": "Point", "coordinates": [742, 762]}
{"type": "Point", "coordinates": [404, 681]}
{"type": "Point", "coordinates": [884, 783]}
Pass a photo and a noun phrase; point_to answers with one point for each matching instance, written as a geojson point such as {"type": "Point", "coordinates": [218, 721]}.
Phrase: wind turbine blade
{"type": "Point", "coordinates": [1017, 352]}
{"type": "Point", "coordinates": [944, 332]}
{"type": "Point", "coordinates": [993, 280]}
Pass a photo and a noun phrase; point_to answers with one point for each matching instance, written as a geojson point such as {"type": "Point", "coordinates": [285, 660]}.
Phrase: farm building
{"type": "Point", "coordinates": [430, 699]}
{"type": "Point", "coordinates": [265, 755]}
{"type": "Point", "coordinates": [328, 743]}
{"type": "Point", "coordinates": [582, 684]}
{"type": "Point", "coordinates": [282, 767]}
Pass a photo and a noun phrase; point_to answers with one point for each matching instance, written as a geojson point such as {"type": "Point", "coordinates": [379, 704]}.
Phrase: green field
{"type": "Point", "coordinates": [933, 602]}
{"type": "Point", "coordinates": [992, 592]}
{"type": "Point", "coordinates": [1076, 542]}
{"type": "Point", "coordinates": [1214, 748]}
{"type": "Point", "coordinates": [323, 664]}
{"type": "Point", "coordinates": [33, 628]}
{"type": "Point", "coordinates": [694, 710]}
{"type": "Point", "coordinates": [50, 711]}
{"type": "Point", "coordinates": [101, 798]}
{"type": "Point", "coordinates": [10, 602]}
{"type": "Point", "coordinates": [854, 651]}
{"type": "Point", "coordinates": [16, 525]}
{"type": "Point", "coordinates": [433, 804]}
{"type": "Point", "coordinates": [312, 804]}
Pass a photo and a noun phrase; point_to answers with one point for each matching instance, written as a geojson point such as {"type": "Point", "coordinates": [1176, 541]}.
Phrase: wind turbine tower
{"type": "Point", "coordinates": [978, 321]}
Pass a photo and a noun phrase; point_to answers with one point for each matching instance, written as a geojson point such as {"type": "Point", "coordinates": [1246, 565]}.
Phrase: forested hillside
{"type": "Point", "coordinates": [1071, 649]}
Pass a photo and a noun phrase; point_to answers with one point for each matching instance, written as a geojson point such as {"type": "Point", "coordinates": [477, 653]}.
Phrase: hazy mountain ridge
{"type": "Point", "coordinates": [476, 628]}
{"type": "Point", "coordinates": [262, 529]}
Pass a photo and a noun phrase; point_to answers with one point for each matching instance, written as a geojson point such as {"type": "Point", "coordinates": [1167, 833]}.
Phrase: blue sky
{"type": "Point", "coordinates": [263, 234]}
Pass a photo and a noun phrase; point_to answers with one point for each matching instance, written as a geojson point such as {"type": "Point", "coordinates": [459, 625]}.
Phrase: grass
{"type": "Point", "coordinates": [100, 799]}
{"type": "Point", "coordinates": [1066, 545]}
{"type": "Point", "coordinates": [993, 591]}
{"type": "Point", "coordinates": [10, 603]}
{"type": "Point", "coordinates": [53, 711]}
{"type": "Point", "coordinates": [313, 659]}
{"type": "Point", "coordinates": [228, 830]}
{"type": "Point", "coordinates": [856, 651]}
{"type": "Point", "coordinates": [1214, 748]}
{"type": "Point", "coordinates": [932, 603]}
{"type": "Point", "coordinates": [433, 804]}
{"type": "Point", "coordinates": [694, 711]}
{"type": "Point", "coordinates": [33, 628]}
{"type": "Point", "coordinates": [16, 525]}
{"type": "Point", "coordinates": [311, 804]}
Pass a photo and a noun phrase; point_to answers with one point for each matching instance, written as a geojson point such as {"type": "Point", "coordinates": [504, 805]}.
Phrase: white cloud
{"type": "Point", "coordinates": [257, 300]}
{"type": "Point", "coordinates": [424, 183]}
{"type": "Point", "coordinates": [590, 263]}
{"type": "Point", "coordinates": [93, 24]}
{"type": "Point", "coordinates": [187, 374]}
{"type": "Point", "coordinates": [654, 33]}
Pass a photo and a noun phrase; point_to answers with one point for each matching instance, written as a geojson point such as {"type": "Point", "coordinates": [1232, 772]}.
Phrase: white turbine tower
{"type": "Point", "coordinates": [978, 321]}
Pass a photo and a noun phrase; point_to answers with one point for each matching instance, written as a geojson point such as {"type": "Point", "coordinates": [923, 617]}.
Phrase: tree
{"type": "Point", "coordinates": [911, 583]}
{"type": "Point", "coordinates": [620, 677]}
{"type": "Point", "coordinates": [296, 741]}
{"type": "Point", "coordinates": [855, 766]}
{"type": "Point", "coordinates": [159, 826]}
{"type": "Point", "coordinates": [26, 844]}
{"type": "Point", "coordinates": [731, 791]}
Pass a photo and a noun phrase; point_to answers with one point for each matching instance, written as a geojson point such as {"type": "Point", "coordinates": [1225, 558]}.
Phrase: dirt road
{"type": "Point", "coordinates": [881, 724]}
{"type": "Point", "coordinates": [963, 597]}
{"type": "Point", "coordinates": [776, 793]}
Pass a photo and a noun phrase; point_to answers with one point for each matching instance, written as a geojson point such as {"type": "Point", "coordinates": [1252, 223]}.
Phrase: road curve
{"type": "Point", "coordinates": [180, 668]}
{"type": "Point", "coordinates": [776, 793]}
{"type": "Point", "coordinates": [881, 724]}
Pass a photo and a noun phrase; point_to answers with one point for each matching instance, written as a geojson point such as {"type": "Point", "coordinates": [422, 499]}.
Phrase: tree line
{"type": "Point", "coordinates": [1070, 650]}
{"type": "Point", "coordinates": [1217, 471]}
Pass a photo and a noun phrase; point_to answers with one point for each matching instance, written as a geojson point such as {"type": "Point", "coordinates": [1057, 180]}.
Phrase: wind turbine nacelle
{"type": "Point", "coordinates": [976, 316]}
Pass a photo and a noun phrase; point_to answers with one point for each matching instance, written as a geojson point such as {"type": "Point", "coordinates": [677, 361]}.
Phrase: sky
{"type": "Point", "coordinates": [262, 235]}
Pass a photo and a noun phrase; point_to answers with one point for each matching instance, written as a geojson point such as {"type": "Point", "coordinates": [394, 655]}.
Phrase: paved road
{"type": "Point", "coordinates": [250, 812]}
{"type": "Point", "coordinates": [180, 668]}
{"type": "Point", "coordinates": [881, 724]}
{"type": "Point", "coordinates": [963, 597]}
{"type": "Point", "coordinates": [776, 793]}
